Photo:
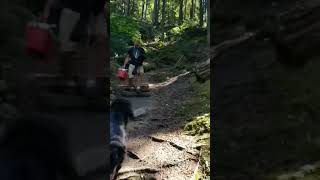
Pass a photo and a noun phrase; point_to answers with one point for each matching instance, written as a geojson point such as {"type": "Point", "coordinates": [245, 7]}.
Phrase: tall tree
{"type": "Point", "coordinates": [185, 9]}
{"type": "Point", "coordinates": [200, 13]}
{"type": "Point", "coordinates": [128, 8]}
{"type": "Point", "coordinates": [163, 19]}
{"type": "Point", "coordinates": [205, 12]}
{"type": "Point", "coordinates": [123, 7]}
{"type": "Point", "coordinates": [164, 2]}
{"type": "Point", "coordinates": [142, 10]}
{"type": "Point", "coordinates": [133, 10]}
{"type": "Point", "coordinates": [156, 12]}
{"type": "Point", "coordinates": [146, 9]}
{"type": "Point", "coordinates": [192, 9]}
{"type": "Point", "coordinates": [181, 12]}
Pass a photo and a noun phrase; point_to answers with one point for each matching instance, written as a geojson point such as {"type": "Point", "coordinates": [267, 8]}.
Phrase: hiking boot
{"type": "Point", "coordinates": [131, 84]}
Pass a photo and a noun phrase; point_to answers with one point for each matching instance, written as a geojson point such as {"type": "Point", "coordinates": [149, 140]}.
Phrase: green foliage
{"type": "Point", "coordinates": [178, 30]}
{"type": "Point", "coordinates": [123, 31]}
{"type": "Point", "coordinates": [199, 125]}
{"type": "Point", "coordinates": [179, 55]}
{"type": "Point", "coordinates": [197, 109]}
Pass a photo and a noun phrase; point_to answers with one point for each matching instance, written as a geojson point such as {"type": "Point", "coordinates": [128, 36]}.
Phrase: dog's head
{"type": "Point", "coordinates": [124, 107]}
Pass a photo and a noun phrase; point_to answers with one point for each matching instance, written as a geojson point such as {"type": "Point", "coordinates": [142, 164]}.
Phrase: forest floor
{"type": "Point", "coordinates": [161, 148]}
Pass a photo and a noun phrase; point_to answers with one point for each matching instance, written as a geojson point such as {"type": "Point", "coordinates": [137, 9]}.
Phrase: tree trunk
{"type": "Point", "coordinates": [205, 8]}
{"type": "Point", "coordinates": [181, 12]}
{"type": "Point", "coordinates": [156, 12]}
{"type": "Point", "coordinates": [146, 9]}
{"type": "Point", "coordinates": [295, 35]}
{"type": "Point", "coordinates": [163, 12]}
{"type": "Point", "coordinates": [200, 13]}
{"type": "Point", "coordinates": [192, 10]}
{"type": "Point", "coordinates": [128, 8]}
{"type": "Point", "coordinates": [142, 10]}
{"type": "Point", "coordinates": [163, 19]}
{"type": "Point", "coordinates": [123, 8]}
{"type": "Point", "coordinates": [185, 9]}
{"type": "Point", "coordinates": [202, 70]}
{"type": "Point", "coordinates": [133, 10]}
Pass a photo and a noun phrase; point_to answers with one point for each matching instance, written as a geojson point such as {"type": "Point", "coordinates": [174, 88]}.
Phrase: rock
{"type": "Point", "coordinates": [140, 111]}
{"type": "Point", "coordinates": [308, 168]}
{"type": "Point", "coordinates": [298, 174]}
{"type": "Point", "coordinates": [284, 177]}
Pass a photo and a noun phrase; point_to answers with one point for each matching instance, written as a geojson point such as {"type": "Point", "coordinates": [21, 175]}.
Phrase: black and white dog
{"type": "Point", "coordinates": [120, 113]}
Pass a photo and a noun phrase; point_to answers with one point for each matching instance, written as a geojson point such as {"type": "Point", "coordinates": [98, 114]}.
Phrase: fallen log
{"type": "Point", "coordinates": [297, 38]}
{"type": "Point", "coordinates": [218, 49]}
{"type": "Point", "coordinates": [202, 70]}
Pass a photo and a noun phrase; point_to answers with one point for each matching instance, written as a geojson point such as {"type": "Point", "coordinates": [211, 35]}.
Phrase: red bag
{"type": "Point", "coordinates": [122, 74]}
{"type": "Point", "coordinates": [38, 39]}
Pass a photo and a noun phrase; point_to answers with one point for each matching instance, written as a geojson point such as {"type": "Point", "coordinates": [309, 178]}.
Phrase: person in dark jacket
{"type": "Point", "coordinates": [134, 63]}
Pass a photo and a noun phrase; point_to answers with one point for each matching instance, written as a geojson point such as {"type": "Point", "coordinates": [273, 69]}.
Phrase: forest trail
{"type": "Point", "coordinates": [157, 146]}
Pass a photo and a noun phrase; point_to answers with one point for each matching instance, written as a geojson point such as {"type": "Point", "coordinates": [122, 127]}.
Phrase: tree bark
{"type": "Point", "coordinates": [133, 10]}
{"type": "Point", "coordinates": [192, 10]}
{"type": "Point", "coordinates": [156, 13]}
{"type": "Point", "coordinates": [181, 12]}
{"type": "Point", "coordinates": [163, 19]}
{"type": "Point", "coordinates": [128, 8]}
{"type": "Point", "coordinates": [185, 9]}
{"type": "Point", "coordinates": [200, 13]}
{"type": "Point", "coordinates": [202, 70]}
{"type": "Point", "coordinates": [146, 9]}
{"type": "Point", "coordinates": [296, 38]}
{"type": "Point", "coordinates": [142, 10]}
{"type": "Point", "coordinates": [163, 13]}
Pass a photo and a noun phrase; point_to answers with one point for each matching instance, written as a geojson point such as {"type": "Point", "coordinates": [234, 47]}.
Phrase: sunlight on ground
{"type": "Point", "coordinates": [168, 82]}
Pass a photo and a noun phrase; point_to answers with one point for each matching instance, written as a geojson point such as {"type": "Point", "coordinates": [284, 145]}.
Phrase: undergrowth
{"type": "Point", "coordinates": [197, 109]}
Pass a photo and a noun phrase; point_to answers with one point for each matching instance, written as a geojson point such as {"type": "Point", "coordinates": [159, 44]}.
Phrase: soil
{"type": "Point", "coordinates": [161, 149]}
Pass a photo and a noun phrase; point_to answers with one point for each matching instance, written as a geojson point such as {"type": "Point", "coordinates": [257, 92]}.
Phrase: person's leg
{"type": "Point", "coordinates": [97, 76]}
{"type": "Point", "coordinates": [130, 74]}
{"type": "Point", "coordinates": [67, 23]}
{"type": "Point", "coordinates": [98, 49]}
{"type": "Point", "coordinates": [141, 75]}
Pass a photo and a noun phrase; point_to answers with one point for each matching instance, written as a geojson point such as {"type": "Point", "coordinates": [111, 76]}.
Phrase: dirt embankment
{"type": "Point", "coordinates": [265, 114]}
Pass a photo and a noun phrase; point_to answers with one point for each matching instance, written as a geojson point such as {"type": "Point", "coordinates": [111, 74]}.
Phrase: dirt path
{"type": "Point", "coordinates": [158, 147]}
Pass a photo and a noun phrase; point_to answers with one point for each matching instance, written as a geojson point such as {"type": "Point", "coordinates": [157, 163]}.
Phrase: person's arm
{"type": "Point", "coordinates": [126, 60]}
{"type": "Point", "coordinates": [144, 57]}
{"type": "Point", "coordinates": [47, 8]}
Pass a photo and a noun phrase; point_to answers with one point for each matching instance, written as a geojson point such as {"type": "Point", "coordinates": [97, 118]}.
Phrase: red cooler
{"type": "Point", "coordinates": [122, 74]}
{"type": "Point", "coordinates": [38, 39]}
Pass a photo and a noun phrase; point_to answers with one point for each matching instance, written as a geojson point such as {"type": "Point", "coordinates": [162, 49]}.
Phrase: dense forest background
{"type": "Point", "coordinates": [174, 35]}
{"type": "Point", "coordinates": [153, 20]}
